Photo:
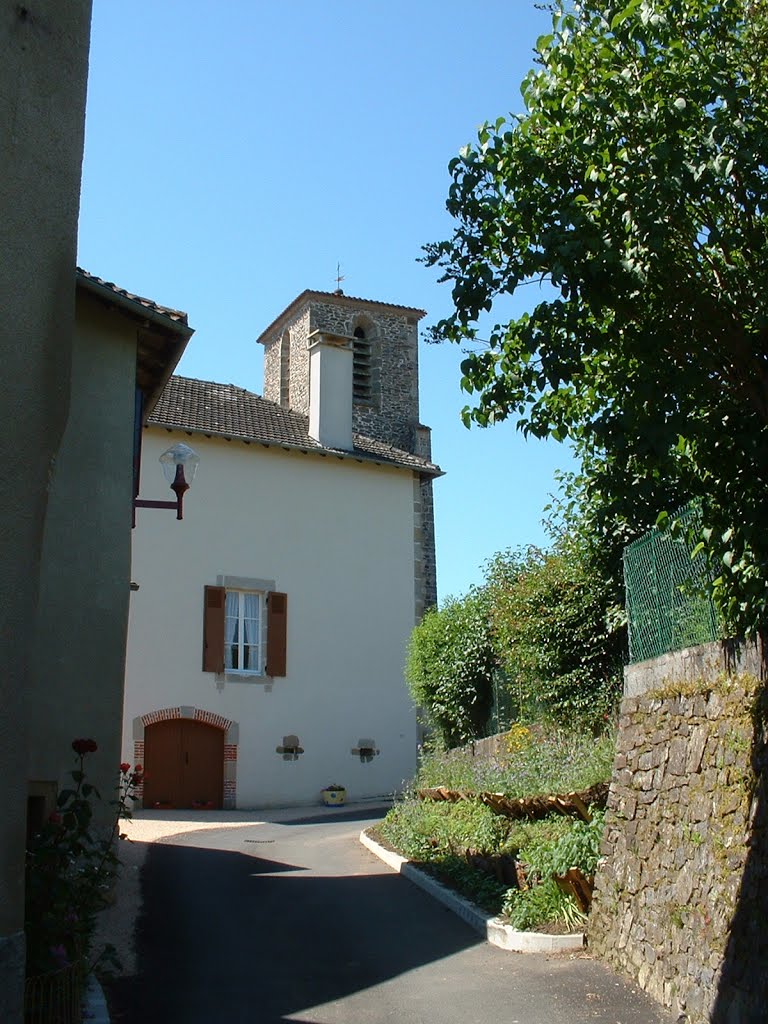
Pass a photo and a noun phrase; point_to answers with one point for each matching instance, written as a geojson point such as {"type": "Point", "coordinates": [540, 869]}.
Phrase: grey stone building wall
{"type": "Point", "coordinates": [392, 414]}
{"type": "Point", "coordinates": [682, 890]}
{"type": "Point", "coordinates": [298, 330]}
{"type": "Point", "coordinates": [427, 583]}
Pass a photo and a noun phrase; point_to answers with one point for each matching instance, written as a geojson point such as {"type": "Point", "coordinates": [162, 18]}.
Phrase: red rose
{"type": "Point", "coordinates": [124, 766]}
{"type": "Point", "coordinates": [83, 746]}
{"type": "Point", "coordinates": [137, 768]}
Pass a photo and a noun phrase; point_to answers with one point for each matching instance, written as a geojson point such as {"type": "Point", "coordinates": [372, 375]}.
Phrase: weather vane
{"type": "Point", "coordinates": [339, 278]}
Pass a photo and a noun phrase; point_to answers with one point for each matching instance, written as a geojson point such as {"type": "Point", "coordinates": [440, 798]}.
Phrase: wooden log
{"type": "Point", "coordinates": [581, 808]}
{"type": "Point", "coordinates": [534, 807]}
{"type": "Point", "coordinates": [579, 885]}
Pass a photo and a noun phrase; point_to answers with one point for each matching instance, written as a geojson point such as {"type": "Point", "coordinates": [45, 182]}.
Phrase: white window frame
{"type": "Point", "coordinates": [248, 646]}
{"type": "Point", "coordinates": [244, 586]}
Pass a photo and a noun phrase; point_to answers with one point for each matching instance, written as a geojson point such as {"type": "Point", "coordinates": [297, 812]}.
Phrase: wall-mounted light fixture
{"type": "Point", "coordinates": [290, 748]}
{"type": "Point", "coordinates": [366, 750]}
{"type": "Point", "coordinates": [179, 464]}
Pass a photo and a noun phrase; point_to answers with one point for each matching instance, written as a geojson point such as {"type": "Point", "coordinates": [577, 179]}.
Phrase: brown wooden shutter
{"type": "Point", "coordinates": [277, 631]}
{"type": "Point", "coordinates": [213, 629]}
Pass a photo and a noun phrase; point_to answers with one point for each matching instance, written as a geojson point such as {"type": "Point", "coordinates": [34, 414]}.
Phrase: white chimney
{"type": "Point", "coordinates": [331, 358]}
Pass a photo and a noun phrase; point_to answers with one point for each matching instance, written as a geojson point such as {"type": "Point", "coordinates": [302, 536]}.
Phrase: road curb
{"type": "Point", "coordinates": [496, 932]}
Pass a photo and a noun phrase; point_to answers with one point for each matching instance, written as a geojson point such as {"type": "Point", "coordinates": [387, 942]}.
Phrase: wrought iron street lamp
{"type": "Point", "coordinates": [179, 464]}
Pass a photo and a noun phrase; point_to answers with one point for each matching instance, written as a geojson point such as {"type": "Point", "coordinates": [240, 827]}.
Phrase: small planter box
{"type": "Point", "coordinates": [334, 797]}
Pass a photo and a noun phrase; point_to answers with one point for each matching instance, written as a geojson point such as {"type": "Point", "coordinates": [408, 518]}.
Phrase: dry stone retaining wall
{"type": "Point", "coordinates": [680, 899]}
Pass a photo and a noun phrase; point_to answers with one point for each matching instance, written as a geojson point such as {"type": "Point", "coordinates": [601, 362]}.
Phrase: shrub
{"type": "Point", "coordinates": [544, 855]}
{"type": "Point", "coordinates": [540, 906]}
{"type": "Point", "coordinates": [423, 830]}
{"type": "Point", "coordinates": [550, 626]}
{"type": "Point", "coordinates": [578, 847]}
{"type": "Point", "coordinates": [450, 667]}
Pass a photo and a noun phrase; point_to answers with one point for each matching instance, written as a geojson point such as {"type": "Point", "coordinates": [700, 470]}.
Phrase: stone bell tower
{"type": "Point", "coordinates": [327, 344]}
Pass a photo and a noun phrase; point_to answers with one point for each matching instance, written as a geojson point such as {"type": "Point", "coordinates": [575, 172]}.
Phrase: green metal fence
{"type": "Point", "coordinates": [667, 608]}
{"type": "Point", "coordinates": [505, 709]}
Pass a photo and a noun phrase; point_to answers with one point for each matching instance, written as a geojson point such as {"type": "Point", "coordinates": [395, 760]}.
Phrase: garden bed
{"type": "Point", "coordinates": [500, 834]}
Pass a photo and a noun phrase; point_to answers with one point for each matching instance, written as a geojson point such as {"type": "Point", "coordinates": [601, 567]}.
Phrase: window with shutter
{"type": "Point", "coordinates": [245, 630]}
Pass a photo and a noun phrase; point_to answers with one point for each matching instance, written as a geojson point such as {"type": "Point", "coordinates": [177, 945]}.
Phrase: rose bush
{"type": "Point", "coordinates": [71, 867]}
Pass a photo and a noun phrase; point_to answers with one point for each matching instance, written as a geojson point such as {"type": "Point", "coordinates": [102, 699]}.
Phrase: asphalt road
{"type": "Point", "coordinates": [297, 922]}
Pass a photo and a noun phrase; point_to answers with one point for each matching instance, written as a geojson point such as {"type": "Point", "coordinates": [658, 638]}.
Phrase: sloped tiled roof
{"type": "Point", "coordinates": [173, 314]}
{"type": "Point", "coordinates": [224, 410]}
{"type": "Point", "coordinates": [162, 333]}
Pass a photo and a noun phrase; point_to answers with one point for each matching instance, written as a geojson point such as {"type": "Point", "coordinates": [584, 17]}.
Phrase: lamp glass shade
{"type": "Point", "coordinates": [179, 455]}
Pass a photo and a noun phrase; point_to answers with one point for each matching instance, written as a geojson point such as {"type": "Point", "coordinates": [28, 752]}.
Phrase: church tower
{"type": "Point", "coordinates": [338, 359]}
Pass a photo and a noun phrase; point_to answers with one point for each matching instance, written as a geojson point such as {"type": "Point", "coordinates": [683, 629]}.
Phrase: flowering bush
{"type": "Point", "coordinates": [518, 738]}
{"type": "Point", "coordinates": [70, 870]}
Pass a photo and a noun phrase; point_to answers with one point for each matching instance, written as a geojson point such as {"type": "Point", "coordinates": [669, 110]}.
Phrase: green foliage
{"type": "Point", "coordinates": [549, 619]}
{"type": "Point", "coordinates": [545, 855]}
{"type": "Point", "coordinates": [577, 847]}
{"type": "Point", "coordinates": [450, 667]}
{"type": "Point", "coordinates": [424, 830]}
{"type": "Point", "coordinates": [555, 761]}
{"type": "Point", "coordinates": [482, 889]}
{"type": "Point", "coordinates": [634, 186]}
{"type": "Point", "coordinates": [542, 905]}
{"type": "Point", "coordinates": [71, 868]}
{"type": "Point", "coordinates": [437, 835]}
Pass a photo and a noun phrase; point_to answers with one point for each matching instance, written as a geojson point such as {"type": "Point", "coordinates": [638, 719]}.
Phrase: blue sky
{"type": "Point", "coordinates": [235, 152]}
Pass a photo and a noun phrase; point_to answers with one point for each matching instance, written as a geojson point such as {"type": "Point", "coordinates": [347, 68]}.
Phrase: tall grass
{"type": "Point", "coordinates": [543, 763]}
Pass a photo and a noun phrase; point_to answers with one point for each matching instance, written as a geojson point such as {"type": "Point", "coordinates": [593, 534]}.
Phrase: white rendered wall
{"type": "Point", "coordinates": [337, 537]}
{"type": "Point", "coordinates": [330, 394]}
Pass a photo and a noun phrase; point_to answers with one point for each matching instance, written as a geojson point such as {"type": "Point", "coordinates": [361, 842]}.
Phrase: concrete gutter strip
{"type": "Point", "coordinates": [95, 1005]}
{"type": "Point", "coordinates": [493, 928]}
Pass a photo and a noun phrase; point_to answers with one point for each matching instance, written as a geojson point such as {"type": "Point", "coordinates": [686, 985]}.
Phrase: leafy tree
{"type": "Point", "coordinates": [635, 188]}
{"type": "Point", "coordinates": [552, 627]}
{"type": "Point", "coordinates": [450, 667]}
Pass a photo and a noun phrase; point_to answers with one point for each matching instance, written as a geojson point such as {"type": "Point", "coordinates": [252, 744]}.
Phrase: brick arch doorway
{"type": "Point", "coordinates": [189, 756]}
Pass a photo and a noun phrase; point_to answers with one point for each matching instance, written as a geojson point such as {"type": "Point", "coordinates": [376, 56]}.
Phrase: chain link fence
{"type": "Point", "coordinates": [505, 708]}
{"type": "Point", "coordinates": [667, 607]}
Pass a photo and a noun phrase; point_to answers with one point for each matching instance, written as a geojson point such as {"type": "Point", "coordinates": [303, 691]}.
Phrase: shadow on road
{"type": "Point", "coordinates": [359, 813]}
{"type": "Point", "coordinates": [227, 937]}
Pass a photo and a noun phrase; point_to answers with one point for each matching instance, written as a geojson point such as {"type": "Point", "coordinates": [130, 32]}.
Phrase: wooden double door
{"type": "Point", "coordinates": [184, 764]}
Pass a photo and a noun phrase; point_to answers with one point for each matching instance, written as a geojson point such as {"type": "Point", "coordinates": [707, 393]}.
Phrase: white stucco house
{"type": "Point", "coordinates": [268, 633]}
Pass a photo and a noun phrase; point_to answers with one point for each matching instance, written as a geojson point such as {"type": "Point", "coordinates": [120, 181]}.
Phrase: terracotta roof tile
{"type": "Point", "coordinates": [340, 299]}
{"type": "Point", "coordinates": [173, 314]}
{"type": "Point", "coordinates": [228, 411]}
